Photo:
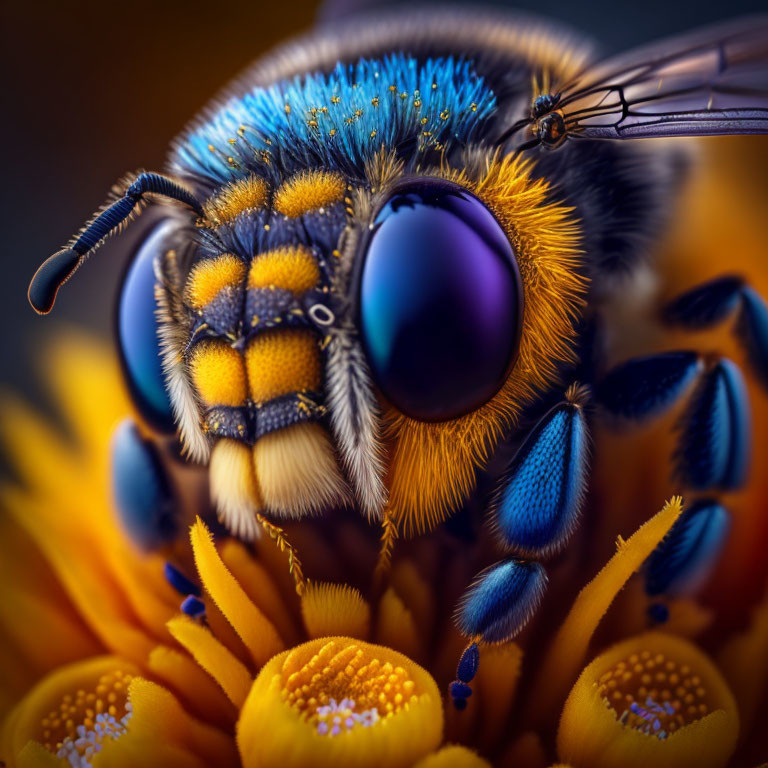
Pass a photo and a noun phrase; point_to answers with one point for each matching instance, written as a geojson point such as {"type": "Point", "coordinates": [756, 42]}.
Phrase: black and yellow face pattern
{"type": "Point", "coordinates": [273, 346]}
{"type": "Point", "coordinates": [272, 350]}
{"type": "Point", "coordinates": [256, 347]}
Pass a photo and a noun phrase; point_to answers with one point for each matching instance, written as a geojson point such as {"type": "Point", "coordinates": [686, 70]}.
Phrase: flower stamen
{"type": "Point", "coordinates": [653, 694]}
{"type": "Point", "coordinates": [352, 676]}
{"type": "Point", "coordinates": [336, 718]}
{"type": "Point", "coordinates": [77, 730]}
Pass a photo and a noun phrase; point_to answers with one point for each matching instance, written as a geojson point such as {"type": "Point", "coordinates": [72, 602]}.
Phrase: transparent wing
{"type": "Point", "coordinates": [712, 81]}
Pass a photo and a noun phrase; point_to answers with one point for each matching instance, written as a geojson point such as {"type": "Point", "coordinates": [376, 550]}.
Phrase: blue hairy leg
{"type": "Point", "coordinates": [535, 509]}
{"type": "Point", "coordinates": [685, 557]}
{"type": "Point", "coordinates": [713, 445]}
{"type": "Point", "coordinates": [501, 600]}
{"type": "Point", "coordinates": [645, 386]}
{"type": "Point", "coordinates": [714, 433]}
{"type": "Point", "coordinates": [539, 497]}
{"type": "Point", "coordinates": [715, 301]}
{"type": "Point", "coordinates": [495, 608]}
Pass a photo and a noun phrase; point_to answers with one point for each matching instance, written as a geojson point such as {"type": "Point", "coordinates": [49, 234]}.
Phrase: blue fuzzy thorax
{"type": "Point", "coordinates": [338, 121]}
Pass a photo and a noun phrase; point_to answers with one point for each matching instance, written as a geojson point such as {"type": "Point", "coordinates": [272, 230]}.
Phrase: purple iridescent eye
{"type": "Point", "coordinates": [440, 301]}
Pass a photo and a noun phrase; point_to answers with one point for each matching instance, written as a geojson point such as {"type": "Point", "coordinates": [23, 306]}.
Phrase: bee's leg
{"type": "Point", "coordinates": [534, 509]}
{"type": "Point", "coordinates": [685, 557]}
{"type": "Point", "coordinates": [718, 300]}
{"type": "Point", "coordinates": [713, 433]}
{"type": "Point", "coordinates": [537, 502]}
{"type": "Point", "coordinates": [142, 490]}
{"type": "Point", "coordinates": [495, 607]}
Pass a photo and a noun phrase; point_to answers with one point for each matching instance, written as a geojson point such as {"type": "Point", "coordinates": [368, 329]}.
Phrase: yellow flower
{"type": "Point", "coordinates": [100, 713]}
{"type": "Point", "coordinates": [653, 700]}
{"type": "Point", "coordinates": [75, 576]}
{"type": "Point", "coordinates": [262, 679]}
{"type": "Point", "coordinates": [84, 615]}
{"type": "Point", "coordinates": [338, 701]}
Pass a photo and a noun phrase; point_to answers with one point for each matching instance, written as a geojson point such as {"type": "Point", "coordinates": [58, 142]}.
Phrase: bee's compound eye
{"type": "Point", "coordinates": [440, 301]}
{"type": "Point", "coordinates": [137, 329]}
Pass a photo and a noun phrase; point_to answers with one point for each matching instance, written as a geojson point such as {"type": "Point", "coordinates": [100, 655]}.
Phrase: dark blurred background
{"type": "Point", "coordinates": [94, 89]}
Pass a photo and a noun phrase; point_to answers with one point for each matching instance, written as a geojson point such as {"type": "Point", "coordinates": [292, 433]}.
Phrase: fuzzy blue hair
{"type": "Point", "coordinates": [338, 121]}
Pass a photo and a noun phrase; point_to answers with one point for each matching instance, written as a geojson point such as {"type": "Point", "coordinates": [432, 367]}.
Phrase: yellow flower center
{"type": "Point", "coordinates": [654, 694]}
{"type": "Point", "coordinates": [77, 729]}
{"type": "Point", "coordinates": [343, 687]}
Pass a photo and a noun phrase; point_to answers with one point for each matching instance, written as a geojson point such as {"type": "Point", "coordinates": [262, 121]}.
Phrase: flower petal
{"type": "Point", "coordinates": [744, 662]}
{"type": "Point", "coordinates": [255, 630]}
{"type": "Point", "coordinates": [335, 609]}
{"type": "Point", "coordinates": [213, 657]}
{"type": "Point", "coordinates": [497, 679]}
{"type": "Point", "coordinates": [567, 651]}
{"type": "Point", "coordinates": [158, 719]}
{"type": "Point", "coordinates": [200, 694]}
{"type": "Point", "coordinates": [396, 626]}
{"type": "Point", "coordinates": [260, 586]}
{"type": "Point", "coordinates": [453, 756]}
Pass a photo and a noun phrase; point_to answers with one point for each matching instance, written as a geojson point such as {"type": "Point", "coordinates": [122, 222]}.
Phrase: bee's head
{"type": "Point", "coordinates": [363, 300]}
{"type": "Point", "coordinates": [329, 338]}
{"type": "Point", "coordinates": [244, 318]}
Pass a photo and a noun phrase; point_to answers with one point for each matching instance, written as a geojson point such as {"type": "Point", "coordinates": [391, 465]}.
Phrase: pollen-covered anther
{"type": "Point", "coordinates": [309, 191]}
{"type": "Point", "coordinates": [654, 694]}
{"type": "Point", "coordinates": [76, 730]}
{"type": "Point", "coordinates": [349, 674]}
{"type": "Point", "coordinates": [242, 195]}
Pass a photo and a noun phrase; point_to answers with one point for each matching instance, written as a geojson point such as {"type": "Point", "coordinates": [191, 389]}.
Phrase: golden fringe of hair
{"type": "Point", "coordinates": [434, 464]}
{"type": "Point", "coordinates": [297, 471]}
{"type": "Point", "coordinates": [234, 490]}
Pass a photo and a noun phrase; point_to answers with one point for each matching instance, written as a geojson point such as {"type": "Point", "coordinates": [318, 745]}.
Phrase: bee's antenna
{"type": "Point", "coordinates": [57, 269]}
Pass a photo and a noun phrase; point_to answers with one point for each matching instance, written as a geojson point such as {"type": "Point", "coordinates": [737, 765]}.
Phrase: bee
{"type": "Point", "coordinates": [369, 274]}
